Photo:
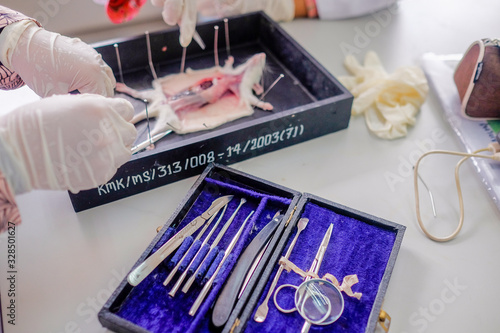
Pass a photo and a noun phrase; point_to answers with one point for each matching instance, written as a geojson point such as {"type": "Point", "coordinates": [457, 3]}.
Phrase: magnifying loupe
{"type": "Point", "coordinates": [317, 301]}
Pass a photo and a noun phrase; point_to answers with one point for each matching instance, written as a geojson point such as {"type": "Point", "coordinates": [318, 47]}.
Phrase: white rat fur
{"type": "Point", "coordinates": [218, 106]}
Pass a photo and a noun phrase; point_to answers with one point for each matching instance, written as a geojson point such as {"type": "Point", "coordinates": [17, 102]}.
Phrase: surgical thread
{"type": "Point", "coordinates": [465, 156]}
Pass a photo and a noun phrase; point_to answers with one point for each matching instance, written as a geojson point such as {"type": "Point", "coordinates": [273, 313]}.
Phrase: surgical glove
{"type": "Point", "coordinates": [278, 10]}
{"type": "Point", "coordinates": [65, 142]}
{"type": "Point", "coordinates": [389, 102]}
{"type": "Point", "coordinates": [181, 12]}
{"type": "Point", "coordinates": [53, 64]}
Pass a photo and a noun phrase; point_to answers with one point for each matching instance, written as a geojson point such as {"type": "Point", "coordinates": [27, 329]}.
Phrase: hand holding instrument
{"type": "Point", "coordinates": [227, 252]}
{"type": "Point", "coordinates": [52, 64]}
{"type": "Point", "coordinates": [214, 244]}
{"type": "Point", "coordinates": [183, 13]}
{"type": "Point", "coordinates": [262, 310]}
{"type": "Point", "coordinates": [146, 267]}
{"type": "Point", "coordinates": [65, 142]}
{"type": "Point", "coordinates": [225, 301]}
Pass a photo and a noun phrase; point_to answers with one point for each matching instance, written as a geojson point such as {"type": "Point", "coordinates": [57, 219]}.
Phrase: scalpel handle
{"type": "Point", "coordinates": [144, 269]}
{"type": "Point", "coordinates": [147, 266]}
{"type": "Point", "coordinates": [174, 270]}
{"type": "Point", "coordinates": [191, 279]}
{"type": "Point", "coordinates": [208, 285]}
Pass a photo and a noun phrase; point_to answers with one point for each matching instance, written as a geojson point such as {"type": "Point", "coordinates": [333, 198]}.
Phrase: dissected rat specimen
{"type": "Point", "coordinates": [202, 99]}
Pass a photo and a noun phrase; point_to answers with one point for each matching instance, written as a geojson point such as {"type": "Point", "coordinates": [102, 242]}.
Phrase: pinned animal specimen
{"type": "Point", "coordinates": [202, 99]}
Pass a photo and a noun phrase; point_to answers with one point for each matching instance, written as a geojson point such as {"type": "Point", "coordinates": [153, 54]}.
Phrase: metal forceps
{"type": "Point", "coordinates": [318, 301]}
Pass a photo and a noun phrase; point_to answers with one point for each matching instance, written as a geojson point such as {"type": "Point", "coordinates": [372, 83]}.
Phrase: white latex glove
{"type": "Point", "coordinates": [53, 64]}
{"type": "Point", "coordinates": [65, 142]}
{"type": "Point", "coordinates": [278, 10]}
{"type": "Point", "coordinates": [390, 102]}
{"type": "Point", "coordinates": [181, 12]}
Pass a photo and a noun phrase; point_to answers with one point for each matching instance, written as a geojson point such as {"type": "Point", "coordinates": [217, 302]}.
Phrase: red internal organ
{"type": "Point", "coordinates": [120, 11]}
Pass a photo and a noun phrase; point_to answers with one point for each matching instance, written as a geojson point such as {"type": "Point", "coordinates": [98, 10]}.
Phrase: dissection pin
{"type": "Point", "coordinates": [119, 62]}
{"type": "Point", "coordinates": [183, 59]}
{"type": "Point", "coordinates": [150, 58]}
{"type": "Point", "coordinates": [216, 43]}
{"type": "Point", "coordinates": [149, 127]}
{"type": "Point", "coordinates": [271, 87]}
{"type": "Point", "coordinates": [226, 32]}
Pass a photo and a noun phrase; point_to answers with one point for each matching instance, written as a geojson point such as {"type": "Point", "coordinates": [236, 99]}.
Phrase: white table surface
{"type": "Point", "coordinates": [68, 264]}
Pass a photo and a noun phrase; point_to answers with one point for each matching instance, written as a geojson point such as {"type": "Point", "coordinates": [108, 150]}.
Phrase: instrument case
{"type": "Point", "coordinates": [360, 244]}
{"type": "Point", "coordinates": [308, 102]}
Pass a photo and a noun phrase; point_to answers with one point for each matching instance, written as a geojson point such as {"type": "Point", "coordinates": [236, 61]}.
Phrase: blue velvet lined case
{"type": "Point", "coordinates": [360, 244]}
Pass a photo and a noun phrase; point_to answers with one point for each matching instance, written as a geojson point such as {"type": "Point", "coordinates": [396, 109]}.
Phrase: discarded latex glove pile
{"type": "Point", "coordinates": [390, 102]}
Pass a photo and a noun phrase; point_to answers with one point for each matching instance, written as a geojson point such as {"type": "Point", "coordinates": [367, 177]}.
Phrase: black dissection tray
{"type": "Point", "coordinates": [308, 102]}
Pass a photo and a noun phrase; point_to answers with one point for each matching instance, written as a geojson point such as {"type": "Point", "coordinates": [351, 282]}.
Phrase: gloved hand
{"type": "Point", "coordinates": [53, 64]}
{"type": "Point", "coordinates": [278, 10]}
{"type": "Point", "coordinates": [389, 102]}
{"type": "Point", "coordinates": [65, 142]}
{"type": "Point", "coordinates": [181, 12]}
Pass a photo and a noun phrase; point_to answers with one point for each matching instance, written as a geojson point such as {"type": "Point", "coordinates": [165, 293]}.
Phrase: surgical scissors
{"type": "Point", "coordinates": [311, 294]}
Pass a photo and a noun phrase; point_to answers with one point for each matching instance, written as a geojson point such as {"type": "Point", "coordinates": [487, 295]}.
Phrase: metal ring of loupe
{"type": "Point", "coordinates": [319, 301]}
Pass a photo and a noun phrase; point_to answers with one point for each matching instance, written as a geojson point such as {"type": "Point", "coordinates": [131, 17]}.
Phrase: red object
{"type": "Point", "coordinates": [120, 11]}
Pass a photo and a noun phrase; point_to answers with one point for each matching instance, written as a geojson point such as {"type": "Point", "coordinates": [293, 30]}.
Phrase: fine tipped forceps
{"type": "Point", "coordinates": [150, 141]}
{"type": "Point", "coordinates": [318, 301]}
